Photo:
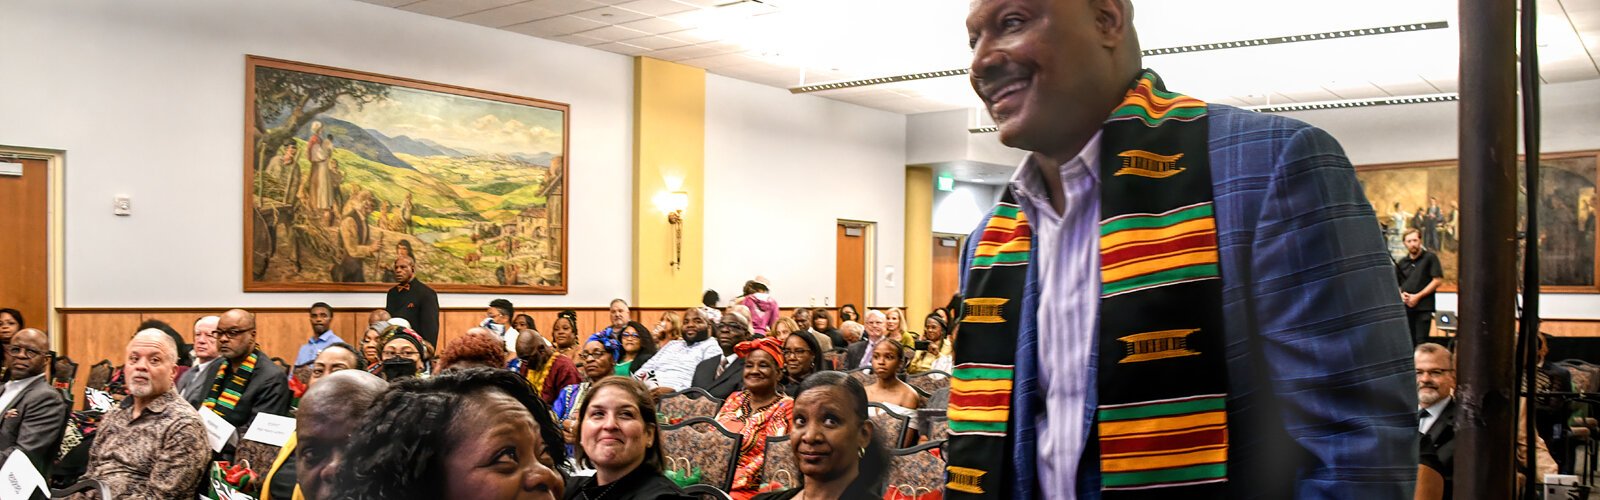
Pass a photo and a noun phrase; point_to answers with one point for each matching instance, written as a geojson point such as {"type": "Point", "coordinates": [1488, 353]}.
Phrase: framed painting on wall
{"type": "Point", "coordinates": [1425, 196]}
{"type": "Point", "coordinates": [344, 171]}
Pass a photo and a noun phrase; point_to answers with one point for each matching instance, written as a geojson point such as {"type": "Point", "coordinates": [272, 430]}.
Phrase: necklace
{"type": "Point", "coordinates": [744, 406]}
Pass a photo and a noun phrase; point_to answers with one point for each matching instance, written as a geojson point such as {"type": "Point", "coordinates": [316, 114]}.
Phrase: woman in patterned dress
{"type": "Point", "coordinates": [757, 412]}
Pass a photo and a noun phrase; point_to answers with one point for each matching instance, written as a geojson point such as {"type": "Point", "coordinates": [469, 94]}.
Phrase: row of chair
{"type": "Point", "coordinates": [700, 447]}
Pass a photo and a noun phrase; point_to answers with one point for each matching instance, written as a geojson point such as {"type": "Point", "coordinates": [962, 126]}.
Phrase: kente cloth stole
{"type": "Point", "coordinates": [1161, 420]}
{"type": "Point", "coordinates": [225, 389]}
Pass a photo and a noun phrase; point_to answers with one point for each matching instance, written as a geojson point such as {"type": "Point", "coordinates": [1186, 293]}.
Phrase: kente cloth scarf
{"type": "Point", "coordinates": [1161, 420]}
{"type": "Point", "coordinates": [228, 385]}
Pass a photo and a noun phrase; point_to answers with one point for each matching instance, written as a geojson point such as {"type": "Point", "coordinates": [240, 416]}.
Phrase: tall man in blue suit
{"type": "Point", "coordinates": [1172, 299]}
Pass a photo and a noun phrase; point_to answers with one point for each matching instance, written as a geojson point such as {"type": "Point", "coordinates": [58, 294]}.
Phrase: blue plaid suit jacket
{"type": "Point", "coordinates": [1322, 400]}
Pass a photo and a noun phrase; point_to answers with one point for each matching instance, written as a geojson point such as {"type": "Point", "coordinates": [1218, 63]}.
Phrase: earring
{"type": "Point", "coordinates": [863, 452]}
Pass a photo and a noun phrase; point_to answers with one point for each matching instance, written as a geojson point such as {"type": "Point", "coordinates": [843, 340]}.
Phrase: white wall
{"type": "Point", "coordinates": [1419, 132]}
{"type": "Point", "coordinates": [960, 211]}
{"type": "Point", "coordinates": [780, 170]}
{"type": "Point", "coordinates": [147, 98]}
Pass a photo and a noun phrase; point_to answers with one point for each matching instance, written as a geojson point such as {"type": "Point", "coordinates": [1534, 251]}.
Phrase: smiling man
{"type": "Point", "coordinates": [1172, 299]}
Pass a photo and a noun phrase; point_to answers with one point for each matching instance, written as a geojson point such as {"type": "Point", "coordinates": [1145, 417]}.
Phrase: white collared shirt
{"type": "Point", "coordinates": [14, 390]}
{"type": "Point", "coordinates": [1425, 423]}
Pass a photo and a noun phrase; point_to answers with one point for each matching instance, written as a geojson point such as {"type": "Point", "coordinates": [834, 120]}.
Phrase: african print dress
{"type": "Point", "coordinates": [758, 425]}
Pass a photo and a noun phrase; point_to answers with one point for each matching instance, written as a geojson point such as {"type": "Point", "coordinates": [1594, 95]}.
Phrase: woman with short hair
{"type": "Point", "coordinates": [833, 443]}
{"type": "Point", "coordinates": [465, 434]}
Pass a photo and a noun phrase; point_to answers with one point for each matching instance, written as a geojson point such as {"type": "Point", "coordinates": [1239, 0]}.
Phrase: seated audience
{"type": "Point", "coordinates": [638, 346]}
{"type": "Point", "coordinates": [523, 322]}
{"type": "Point", "coordinates": [722, 375]}
{"type": "Point", "coordinates": [619, 438]}
{"type": "Point", "coordinates": [247, 382]}
{"type": "Point", "coordinates": [536, 361]}
{"type": "Point", "coordinates": [404, 355]}
{"type": "Point", "coordinates": [184, 359]}
{"type": "Point", "coordinates": [802, 356]}
{"type": "Point", "coordinates": [619, 316]}
{"type": "Point", "coordinates": [822, 327]}
{"type": "Point", "coordinates": [565, 329]}
{"type": "Point", "coordinates": [35, 413]}
{"type": "Point", "coordinates": [600, 355]}
{"type": "Point", "coordinates": [895, 324]}
{"type": "Point", "coordinates": [756, 412]}
{"type": "Point", "coordinates": [497, 318]}
{"type": "Point", "coordinates": [473, 433]}
{"type": "Point", "coordinates": [887, 360]}
{"type": "Point", "coordinates": [833, 442]}
{"type": "Point", "coordinates": [11, 322]}
{"type": "Point", "coordinates": [378, 316]}
{"type": "Point", "coordinates": [321, 334]}
{"type": "Point", "coordinates": [847, 312]}
{"type": "Point", "coordinates": [1436, 383]}
{"type": "Point", "coordinates": [328, 413]}
{"type": "Point", "coordinates": [370, 349]}
{"type": "Point", "coordinates": [937, 355]}
{"type": "Point", "coordinates": [672, 368]}
{"type": "Point", "coordinates": [152, 445]}
{"type": "Point", "coordinates": [478, 348]}
{"type": "Point", "coordinates": [194, 382]}
{"type": "Point", "coordinates": [782, 328]}
{"type": "Point", "coordinates": [763, 308]}
{"type": "Point", "coordinates": [851, 332]}
{"type": "Point", "coordinates": [877, 330]}
{"type": "Point", "coordinates": [670, 328]}
{"type": "Point", "coordinates": [801, 317]}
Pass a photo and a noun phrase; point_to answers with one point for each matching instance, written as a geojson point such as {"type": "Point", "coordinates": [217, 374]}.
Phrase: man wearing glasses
{"type": "Point", "coordinates": [1436, 415]}
{"type": "Point", "coordinates": [33, 412]}
{"type": "Point", "coordinates": [723, 375]}
{"type": "Point", "coordinates": [246, 382]}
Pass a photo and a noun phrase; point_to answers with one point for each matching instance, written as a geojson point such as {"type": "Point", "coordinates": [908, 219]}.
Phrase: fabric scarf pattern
{"type": "Point", "coordinates": [226, 390]}
{"type": "Point", "coordinates": [1161, 419]}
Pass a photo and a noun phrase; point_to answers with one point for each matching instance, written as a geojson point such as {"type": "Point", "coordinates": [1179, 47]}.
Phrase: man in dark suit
{"type": "Point", "coordinates": [262, 386]}
{"type": "Point", "coordinates": [34, 413]}
{"type": "Point", "coordinates": [1436, 415]}
{"type": "Point", "coordinates": [724, 374]}
{"type": "Point", "coordinates": [413, 300]}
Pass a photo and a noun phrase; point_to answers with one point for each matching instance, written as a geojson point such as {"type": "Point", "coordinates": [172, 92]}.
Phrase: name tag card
{"type": "Point", "coordinates": [217, 429]}
{"type": "Point", "coordinates": [270, 429]}
{"type": "Point", "coordinates": [18, 478]}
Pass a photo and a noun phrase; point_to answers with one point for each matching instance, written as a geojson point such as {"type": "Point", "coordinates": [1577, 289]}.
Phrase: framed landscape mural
{"type": "Point", "coordinates": [1425, 196]}
{"type": "Point", "coordinates": [346, 170]}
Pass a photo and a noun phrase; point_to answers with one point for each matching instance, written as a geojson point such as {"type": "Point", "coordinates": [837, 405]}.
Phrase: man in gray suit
{"type": "Point", "coordinates": [34, 413]}
{"type": "Point", "coordinates": [192, 386]}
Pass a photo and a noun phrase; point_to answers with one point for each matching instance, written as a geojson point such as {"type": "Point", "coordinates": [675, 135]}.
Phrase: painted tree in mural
{"type": "Point", "coordinates": [292, 99]}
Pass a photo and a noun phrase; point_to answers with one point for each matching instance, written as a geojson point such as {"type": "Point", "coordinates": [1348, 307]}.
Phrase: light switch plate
{"type": "Point", "coordinates": [122, 205]}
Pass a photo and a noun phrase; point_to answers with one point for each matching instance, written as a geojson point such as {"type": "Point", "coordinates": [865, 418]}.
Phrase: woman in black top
{"type": "Point", "coordinates": [802, 356]}
{"type": "Point", "coordinates": [617, 435]}
{"type": "Point", "coordinates": [833, 444]}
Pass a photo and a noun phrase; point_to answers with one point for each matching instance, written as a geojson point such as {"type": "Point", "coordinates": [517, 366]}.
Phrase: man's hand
{"type": "Point", "coordinates": [569, 430]}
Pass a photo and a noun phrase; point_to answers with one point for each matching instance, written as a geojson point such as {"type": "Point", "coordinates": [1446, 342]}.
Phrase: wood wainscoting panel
{"type": "Point", "coordinates": [93, 337]}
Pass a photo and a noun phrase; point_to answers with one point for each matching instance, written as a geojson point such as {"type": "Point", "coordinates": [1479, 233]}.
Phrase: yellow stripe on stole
{"type": "Point", "coordinates": [991, 249]}
{"type": "Point", "coordinates": [1165, 461]}
{"type": "Point", "coordinates": [1003, 223]}
{"type": "Point", "coordinates": [975, 386]}
{"type": "Point", "coordinates": [1112, 241]}
{"type": "Point", "coordinates": [956, 413]}
{"type": "Point", "coordinates": [1109, 429]}
{"type": "Point", "coordinates": [1205, 255]}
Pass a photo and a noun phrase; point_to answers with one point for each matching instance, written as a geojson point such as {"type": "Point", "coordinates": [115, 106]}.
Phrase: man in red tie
{"type": "Point", "coordinates": [413, 300]}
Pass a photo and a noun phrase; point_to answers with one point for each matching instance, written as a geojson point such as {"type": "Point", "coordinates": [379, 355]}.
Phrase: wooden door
{"type": "Point", "coordinates": [851, 267]}
{"type": "Point", "coordinates": [946, 268]}
{"type": "Point", "coordinates": [25, 256]}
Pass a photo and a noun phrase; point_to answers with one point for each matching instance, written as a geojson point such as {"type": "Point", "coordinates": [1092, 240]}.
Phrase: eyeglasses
{"type": "Point", "coordinates": [630, 334]}
{"type": "Point", "coordinates": [24, 352]}
{"type": "Point", "coordinates": [593, 354]}
{"type": "Point", "coordinates": [796, 352]}
{"type": "Point", "coordinates": [402, 354]}
{"type": "Point", "coordinates": [228, 334]}
{"type": "Point", "coordinates": [1434, 373]}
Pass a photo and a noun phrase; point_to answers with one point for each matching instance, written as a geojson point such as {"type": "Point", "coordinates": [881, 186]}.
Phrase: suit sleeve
{"type": "Point", "coordinates": [428, 317]}
{"type": "Point", "coordinates": [44, 418]}
{"type": "Point", "coordinates": [274, 397]}
{"type": "Point", "coordinates": [1331, 331]}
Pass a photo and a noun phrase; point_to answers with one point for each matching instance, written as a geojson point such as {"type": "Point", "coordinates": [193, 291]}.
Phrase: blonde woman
{"type": "Point", "coordinates": [895, 320]}
{"type": "Point", "coordinates": [670, 328]}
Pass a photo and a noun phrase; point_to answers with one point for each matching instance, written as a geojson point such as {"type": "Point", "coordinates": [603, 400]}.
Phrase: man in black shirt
{"type": "Point", "coordinates": [1419, 273]}
{"type": "Point", "coordinates": [413, 300]}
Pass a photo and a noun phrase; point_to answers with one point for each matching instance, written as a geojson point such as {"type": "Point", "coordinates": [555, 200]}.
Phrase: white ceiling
{"type": "Point", "coordinates": [785, 43]}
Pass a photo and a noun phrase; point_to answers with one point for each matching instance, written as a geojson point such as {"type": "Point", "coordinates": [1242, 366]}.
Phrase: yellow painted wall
{"type": "Point", "coordinates": [669, 114]}
{"type": "Point", "coordinates": [919, 246]}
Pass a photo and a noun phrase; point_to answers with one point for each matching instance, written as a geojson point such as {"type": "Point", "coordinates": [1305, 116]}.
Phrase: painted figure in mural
{"type": "Point", "coordinates": [356, 243]}
{"type": "Point", "coordinates": [405, 214]}
{"type": "Point", "coordinates": [1431, 221]}
{"type": "Point", "coordinates": [286, 166]}
{"type": "Point", "coordinates": [1397, 228]}
{"type": "Point", "coordinates": [322, 188]}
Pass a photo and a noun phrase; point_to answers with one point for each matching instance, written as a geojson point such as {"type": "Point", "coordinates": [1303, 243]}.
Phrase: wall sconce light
{"type": "Point", "coordinates": [674, 203]}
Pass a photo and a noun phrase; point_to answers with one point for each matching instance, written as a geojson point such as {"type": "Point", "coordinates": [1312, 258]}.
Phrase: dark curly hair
{"type": "Point", "coordinates": [472, 350]}
{"type": "Point", "coordinates": [403, 442]}
{"type": "Point", "coordinates": [873, 468]}
{"type": "Point", "coordinates": [647, 341]}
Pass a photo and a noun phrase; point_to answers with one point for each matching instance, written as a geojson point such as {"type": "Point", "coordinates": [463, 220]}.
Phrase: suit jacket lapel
{"type": "Point", "coordinates": [1446, 420]}
{"type": "Point", "coordinates": [727, 373]}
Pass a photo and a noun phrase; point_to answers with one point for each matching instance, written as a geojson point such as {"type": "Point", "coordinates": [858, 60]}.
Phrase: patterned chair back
{"type": "Point", "coordinates": [834, 360]}
{"type": "Point", "coordinates": [701, 444]}
{"type": "Point", "coordinates": [779, 466]}
{"type": "Point", "coordinates": [686, 404]}
{"type": "Point", "coordinates": [863, 375]}
{"type": "Point", "coordinates": [890, 426]}
{"type": "Point", "coordinates": [929, 382]}
{"type": "Point", "coordinates": [916, 473]}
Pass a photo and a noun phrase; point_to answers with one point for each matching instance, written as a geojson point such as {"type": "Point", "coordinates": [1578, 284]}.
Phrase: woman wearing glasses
{"type": "Point", "coordinates": [403, 354]}
{"type": "Point", "coordinates": [637, 348]}
{"type": "Point", "coordinates": [802, 356]}
{"type": "Point", "coordinates": [599, 355]}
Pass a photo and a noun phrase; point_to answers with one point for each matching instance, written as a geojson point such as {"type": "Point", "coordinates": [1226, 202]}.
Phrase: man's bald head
{"type": "Point", "coordinates": [157, 337]}
{"type": "Point", "coordinates": [152, 361]}
{"type": "Point", "coordinates": [32, 343]}
{"type": "Point", "coordinates": [237, 317]}
{"type": "Point", "coordinates": [329, 412]}
{"type": "Point", "coordinates": [236, 334]}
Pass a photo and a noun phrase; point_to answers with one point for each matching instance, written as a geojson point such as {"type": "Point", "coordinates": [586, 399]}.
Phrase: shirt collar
{"type": "Point", "coordinates": [327, 336]}
{"type": "Point", "coordinates": [1437, 407]}
{"type": "Point", "coordinates": [23, 382]}
{"type": "Point", "coordinates": [159, 404]}
{"type": "Point", "coordinates": [1028, 183]}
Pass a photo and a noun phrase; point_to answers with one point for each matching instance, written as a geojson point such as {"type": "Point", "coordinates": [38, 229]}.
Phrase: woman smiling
{"type": "Point", "coordinates": [619, 438]}
{"type": "Point", "coordinates": [832, 442]}
{"type": "Point", "coordinates": [757, 412]}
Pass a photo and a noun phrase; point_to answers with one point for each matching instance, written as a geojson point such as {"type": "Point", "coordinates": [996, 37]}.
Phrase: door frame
{"type": "Point", "coordinates": [55, 231]}
{"type": "Point", "coordinates": [869, 261]}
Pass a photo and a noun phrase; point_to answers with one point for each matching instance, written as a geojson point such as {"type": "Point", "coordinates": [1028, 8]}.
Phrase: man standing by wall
{"type": "Point", "coordinates": [411, 299]}
{"type": "Point", "coordinates": [1420, 274]}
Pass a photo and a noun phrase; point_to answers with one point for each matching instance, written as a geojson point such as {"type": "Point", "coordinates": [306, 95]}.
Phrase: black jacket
{"type": "Point", "coordinates": [36, 427]}
{"type": "Point", "coordinates": [1440, 441]}
{"type": "Point", "coordinates": [732, 379]}
{"type": "Point", "coordinates": [643, 483]}
{"type": "Point", "coordinates": [419, 305]}
{"type": "Point", "coordinates": [267, 392]}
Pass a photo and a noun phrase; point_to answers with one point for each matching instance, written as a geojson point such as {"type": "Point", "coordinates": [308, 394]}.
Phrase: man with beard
{"type": "Point", "coordinates": [246, 381]}
{"type": "Point", "coordinates": [724, 374]}
{"type": "Point", "coordinates": [1436, 417]}
{"type": "Point", "coordinates": [151, 445]}
{"type": "Point", "coordinates": [34, 412]}
{"type": "Point", "coordinates": [672, 368]}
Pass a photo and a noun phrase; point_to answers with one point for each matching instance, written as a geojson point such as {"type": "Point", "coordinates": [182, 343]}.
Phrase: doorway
{"type": "Point", "coordinates": [25, 219]}
{"type": "Point", "coordinates": [854, 264]}
{"type": "Point", "coordinates": [946, 267]}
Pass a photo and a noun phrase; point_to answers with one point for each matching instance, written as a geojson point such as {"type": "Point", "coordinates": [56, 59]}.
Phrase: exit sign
{"type": "Point", "coordinates": [947, 183]}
